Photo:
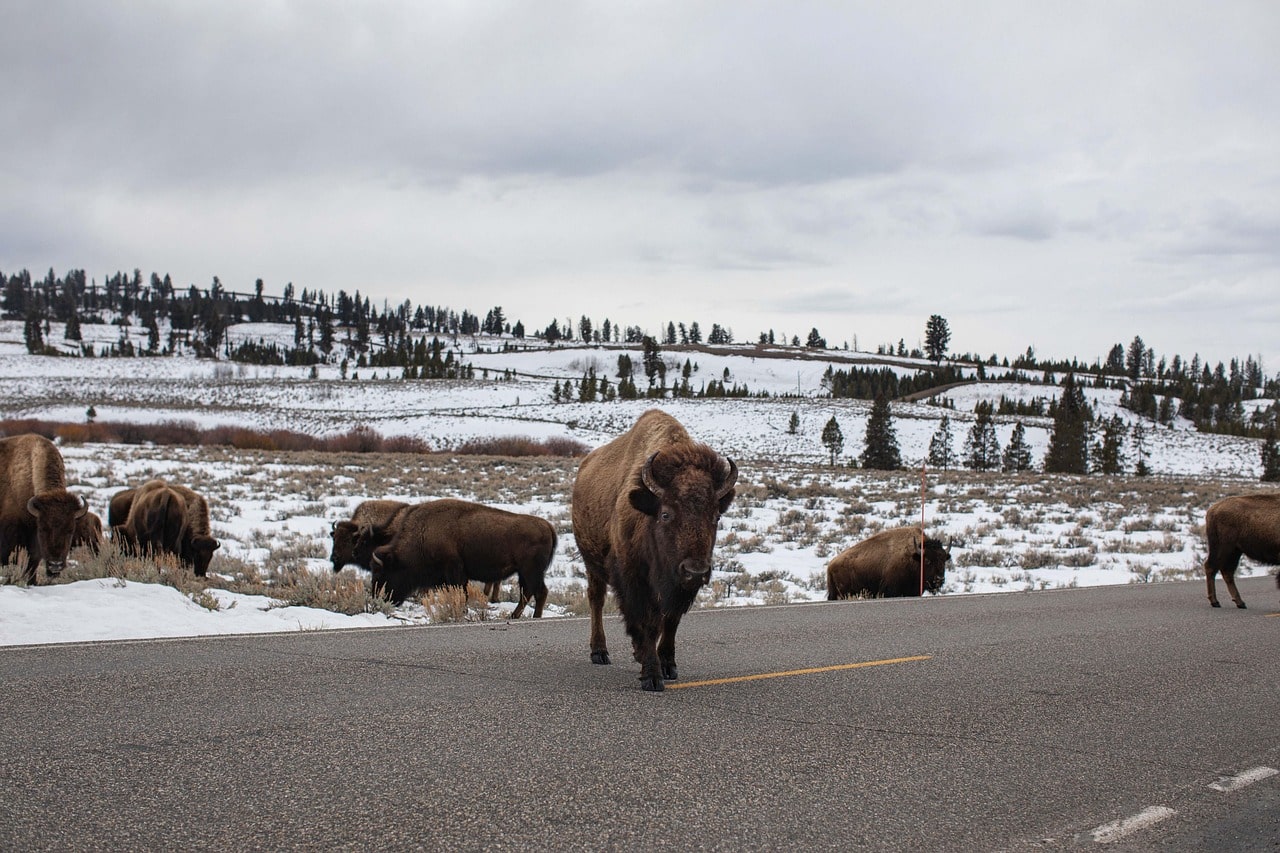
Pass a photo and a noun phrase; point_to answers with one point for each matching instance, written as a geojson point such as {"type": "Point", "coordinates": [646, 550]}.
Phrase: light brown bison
{"type": "Point", "coordinates": [645, 511]}
{"type": "Point", "coordinates": [1243, 525]}
{"type": "Point", "coordinates": [887, 565]}
{"type": "Point", "coordinates": [450, 542]}
{"type": "Point", "coordinates": [169, 518]}
{"type": "Point", "coordinates": [36, 510]}
{"type": "Point", "coordinates": [375, 513]}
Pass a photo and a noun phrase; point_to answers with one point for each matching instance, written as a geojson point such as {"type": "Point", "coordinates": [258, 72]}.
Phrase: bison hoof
{"type": "Point", "coordinates": [600, 657]}
{"type": "Point", "coordinates": [652, 684]}
{"type": "Point", "coordinates": [1214, 604]}
{"type": "Point", "coordinates": [1241, 606]}
{"type": "Point", "coordinates": [669, 671]}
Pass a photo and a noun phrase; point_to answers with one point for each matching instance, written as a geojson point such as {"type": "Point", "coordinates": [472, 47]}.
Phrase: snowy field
{"type": "Point", "coordinates": [793, 514]}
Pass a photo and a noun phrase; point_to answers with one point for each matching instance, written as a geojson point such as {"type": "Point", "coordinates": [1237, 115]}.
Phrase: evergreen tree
{"type": "Point", "coordinates": [941, 453]}
{"type": "Point", "coordinates": [1017, 456]}
{"type": "Point", "coordinates": [1134, 359]}
{"type": "Point", "coordinates": [1270, 458]}
{"type": "Point", "coordinates": [1108, 451]}
{"type": "Point", "coordinates": [982, 447]}
{"type": "Point", "coordinates": [72, 331]}
{"type": "Point", "coordinates": [654, 368]}
{"type": "Point", "coordinates": [816, 341]}
{"type": "Point", "coordinates": [881, 448]}
{"type": "Point", "coordinates": [793, 426]}
{"type": "Point", "coordinates": [1069, 443]}
{"type": "Point", "coordinates": [33, 332]}
{"type": "Point", "coordinates": [937, 336]}
{"type": "Point", "coordinates": [1140, 468]}
{"type": "Point", "coordinates": [833, 439]}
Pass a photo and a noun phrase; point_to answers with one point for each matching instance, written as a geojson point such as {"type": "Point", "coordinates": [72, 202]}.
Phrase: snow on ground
{"type": "Point", "coordinates": [793, 514]}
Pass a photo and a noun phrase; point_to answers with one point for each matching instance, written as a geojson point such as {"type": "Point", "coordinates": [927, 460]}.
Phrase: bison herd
{"type": "Point", "coordinates": [645, 510]}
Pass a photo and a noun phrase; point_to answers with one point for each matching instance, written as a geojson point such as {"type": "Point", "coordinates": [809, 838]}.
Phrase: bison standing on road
{"type": "Point", "coordinates": [887, 565]}
{"type": "Point", "coordinates": [645, 511]}
{"type": "Point", "coordinates": [1243, 525]}
{"type": "Point", "coordinates": [168, 518]}
{"type": "Point", "coordinates": [36, 510]}
{"type": "Point", "coordinates": [450, 542]}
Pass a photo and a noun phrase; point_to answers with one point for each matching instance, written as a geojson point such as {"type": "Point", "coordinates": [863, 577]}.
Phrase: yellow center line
{"type": "Point", "coordinates": [810, 671]}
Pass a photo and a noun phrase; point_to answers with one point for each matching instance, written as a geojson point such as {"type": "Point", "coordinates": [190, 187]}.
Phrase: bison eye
{"type": "Point", "coordinates": [666, 516]}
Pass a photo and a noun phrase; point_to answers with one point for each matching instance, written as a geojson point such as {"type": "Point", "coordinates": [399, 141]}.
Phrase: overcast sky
{"type": "Point", "coordinates": [1057, 175]}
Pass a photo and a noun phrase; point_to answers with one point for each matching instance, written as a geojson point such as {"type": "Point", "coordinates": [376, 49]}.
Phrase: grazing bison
{"type": "Point", "coordinates": [88, 532]}
{"type": "Point", "coordinates": [449, 542]}
{"type": "Point", "coordinates": [374, 513]}
{"type": "Point", "coordinates": [645, 511]}
{"type": "Point", "coordinates": [887, 565]}
{"type": "Point", "coordinates": [1243, 525]}
{"type": "Point", "coordinates": [168, 518]}
{"type": "Point", "coordinates": [36, 510]}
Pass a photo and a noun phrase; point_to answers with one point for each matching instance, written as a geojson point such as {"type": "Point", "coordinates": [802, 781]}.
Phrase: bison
{"type": "Point", "coordinates": [1242, 525]}
{"type": "Point", "coordinates": [645, 511]}
{"type": "Point", "coordinates": [450, 542]}
{"type": "Point", "coordinates": [36, 510]}
{"type": "Point", "coordinates": [374, 513]}
{"type": "Point", "coordinates": [169, 518]}
{"type": "Point", "coordinates": [887, 565]}
{"type": "Point", "coordinates": [88, 532]}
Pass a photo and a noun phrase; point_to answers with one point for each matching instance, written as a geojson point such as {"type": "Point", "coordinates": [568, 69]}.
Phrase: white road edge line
{"type": "Point", "coordinates": [1227, 784]}
{"type": "Point", "coordinates": [1118, 829]}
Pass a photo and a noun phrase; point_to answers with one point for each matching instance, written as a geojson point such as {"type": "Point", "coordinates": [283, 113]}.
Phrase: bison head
{"type": "Point", "coordinates": [683, 495]}
{"type": "Point", "coordinates": [56, 513]}
{"type": "Point", "coordinates": [199, 551]}
{"type": "Point", "coordinates": [344, 544]}
{"type": "Point", "coordinates": [936, 558]}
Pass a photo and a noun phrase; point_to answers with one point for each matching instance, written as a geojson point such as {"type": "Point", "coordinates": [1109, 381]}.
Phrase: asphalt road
{"type": "Point", "coordinates": [1131, 718]}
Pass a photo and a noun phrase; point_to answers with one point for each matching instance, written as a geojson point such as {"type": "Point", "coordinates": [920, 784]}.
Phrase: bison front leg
{"type": "Point", "coordinates": [1229, 578]}
{"type": "Point", "coordinates": [643, 625]}
{"type": "Point", "coordinates": [667, 647]}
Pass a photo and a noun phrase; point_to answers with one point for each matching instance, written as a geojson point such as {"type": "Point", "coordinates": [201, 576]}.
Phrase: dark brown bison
{"type": "Point", "coordinates": [374, 513]}
{"type": "Point", "coordinates": [887, 565]}
{"type": "Point", "coordinates": [169, 518]}
{"type": "Point", "coordinates": [36, 510]}
{"type": "Point", "coordinates": [645, 511]}
{"type": "Point", "coordinates": [1243, 525]}
{"type": "Point", "coordinates": [88, 532]}
{"type": "Point", "coordinates": [450, 542]}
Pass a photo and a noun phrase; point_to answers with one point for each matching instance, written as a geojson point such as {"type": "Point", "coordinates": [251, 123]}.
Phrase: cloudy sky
{"type": "Point", "coordinates": [1057, 175]}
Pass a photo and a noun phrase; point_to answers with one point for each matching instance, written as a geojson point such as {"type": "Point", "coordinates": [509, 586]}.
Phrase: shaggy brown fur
{"type": "Point", "coordinates": [88, 532]}
{"type": "Point", "coordinates": [376, 513]}
{"type": "Point", "coordinates": [645, 511]}
{"type": "Point", "coordinates": [887, 565]}
{"type": "Point", "coordinates": [169, 518]}
{"type": "Point", "coordinates": [36, 510]}
{"type": "Point", "coordinates": [450, 542]}
{"type": "Point", "coordinates": [1243, 525]}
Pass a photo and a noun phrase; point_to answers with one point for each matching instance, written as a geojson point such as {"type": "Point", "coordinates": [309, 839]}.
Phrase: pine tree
{"type": "Point", "coordinates": [1017, 456]}
{"type": "Point", "coordinates": [1108, 451]}
{"type": "Point", "coordinates": [1069, 444]}
{"type": "Point", "coordinates": [816, 341]}
{"type": "Point", "coordinates": [941, 453]}
{"type": "Point", "coordinates": [937, 335]}
{"type": "Point", "coordinates": [982, 447]}
{"type": "Point", "coordinates": [1140, 468]}
{"type": "Point", "coordinates": [1270, 458]}
{"type": "Point", "coordinates": [881, 448]}
{"type": "Point", "coordinates": [793, 426]}
{"type": "Point", "coordinates": [833, 439]}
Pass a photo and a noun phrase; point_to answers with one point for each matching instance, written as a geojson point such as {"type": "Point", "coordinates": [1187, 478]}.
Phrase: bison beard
{"type": "Point", "coordinates": [645, 511]}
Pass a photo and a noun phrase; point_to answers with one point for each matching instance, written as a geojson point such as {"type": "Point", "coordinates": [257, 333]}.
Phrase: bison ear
{"type": "Point", "coordinates": [645, 501]}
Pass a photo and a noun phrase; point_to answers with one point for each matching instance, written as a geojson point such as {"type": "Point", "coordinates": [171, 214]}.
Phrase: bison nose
{"type": "Point", "coordinates": [54, 567]}
{"type": "Point", "coordinates": [695, 571]}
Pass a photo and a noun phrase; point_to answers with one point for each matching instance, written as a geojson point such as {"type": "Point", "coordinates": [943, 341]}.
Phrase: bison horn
{"type": "Point", "coordinates": [646, 476]}
{"type": "Point", "coordinates": [730, 476]}
{"type": "Point", "coordinates": [32, 508]}
{"type": "Point", "coordinates": [84, 507]}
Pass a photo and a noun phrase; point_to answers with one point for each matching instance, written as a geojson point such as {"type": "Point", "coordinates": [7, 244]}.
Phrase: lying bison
{"type": "Point", "coordinates": [1243, 525]}
{"type": "Point", "coordinates": [373, 513]}
{"type": "Point", "coordinates": [645, 511]}
{"type": "Point", "coordinates": [887, 565]}
{"type": "Point", "coordinates": [169, 518]}
{"type": "Point", "coordinates": [37, 512]}
{"type": "Point", "coordinates": [450, 542]}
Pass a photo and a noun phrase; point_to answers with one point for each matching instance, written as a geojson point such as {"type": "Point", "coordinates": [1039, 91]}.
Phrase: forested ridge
{"type": "Point", "coordinates": [419, 342]}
